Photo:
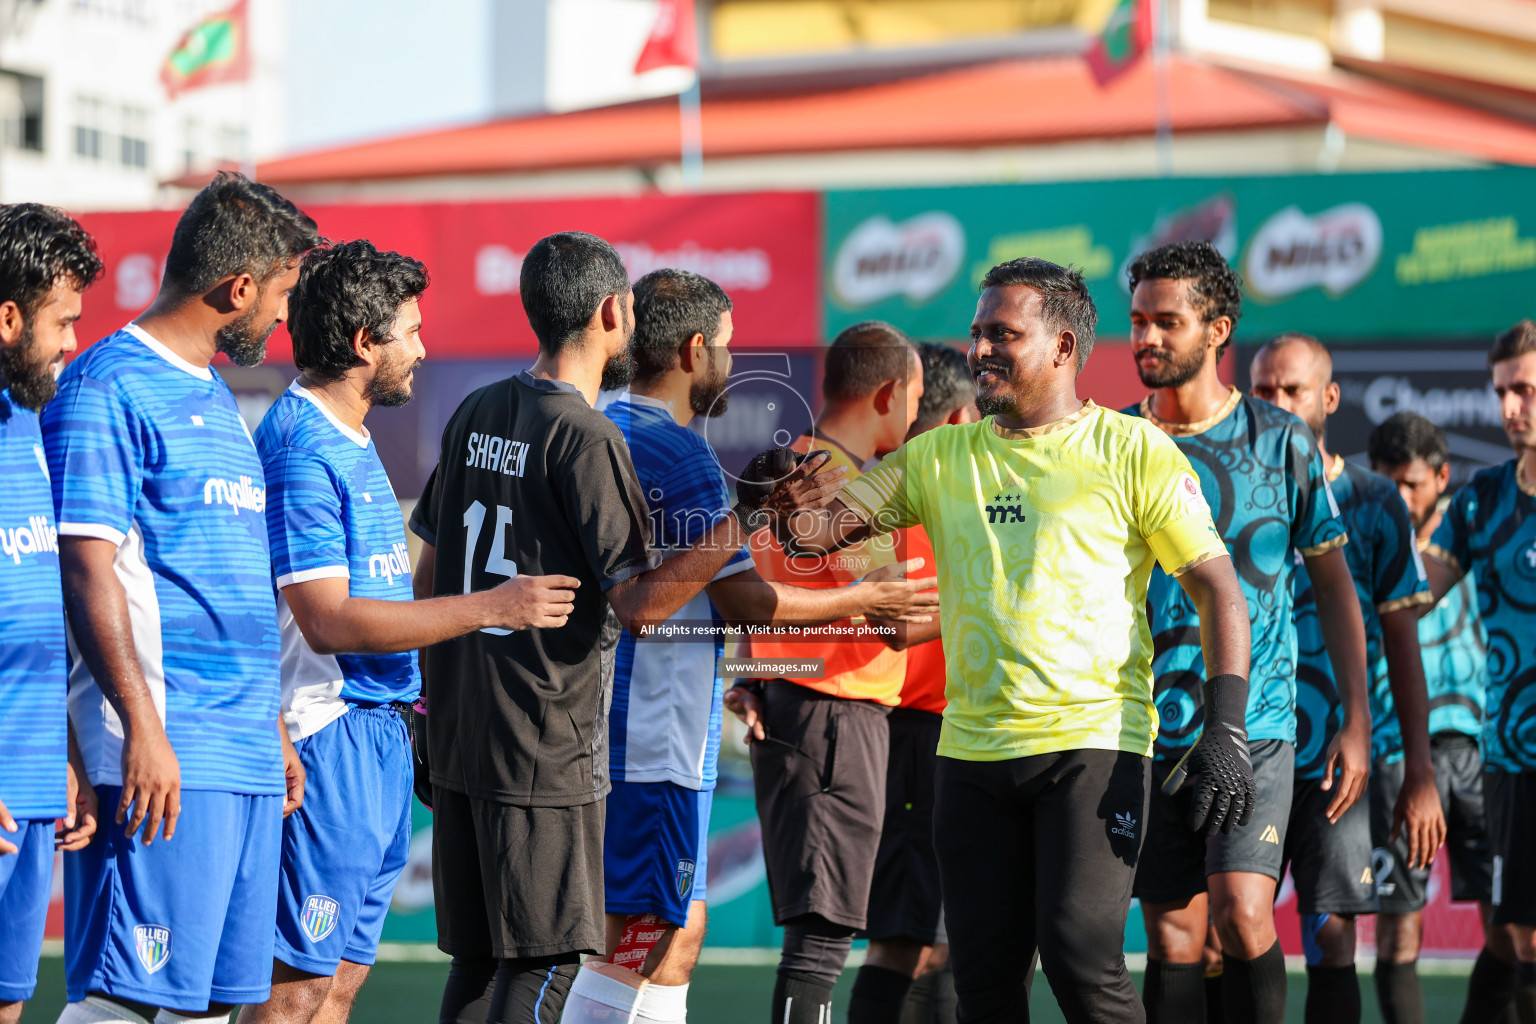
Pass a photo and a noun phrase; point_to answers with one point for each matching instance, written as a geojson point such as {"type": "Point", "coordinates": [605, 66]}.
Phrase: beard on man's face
{"type": "Point", "coordinates": [31, 382]}
{"type": "Point", "coordinates": [242, 341]}
{"type": "Point", "coordinates": [1170, 370]}
{"type": "Point", "coordinates": [619, 370]}
{"type": "Point", "coordinates": [711, 396]}
{"type": "Point", "coordinates": [391, 385]}
{"type": "Point", "coordinates": [999, 397]}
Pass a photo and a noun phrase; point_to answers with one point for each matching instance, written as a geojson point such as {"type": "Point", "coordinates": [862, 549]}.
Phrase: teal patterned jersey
{"type": "Point", "coordinates": [1261, 473]}
{"type": "Point", "coordinates": [1384, 562]}
{"type": "Point", "coordinates": [1455, 647]}
{"type": "Point", "coordinates": [1489, 531]}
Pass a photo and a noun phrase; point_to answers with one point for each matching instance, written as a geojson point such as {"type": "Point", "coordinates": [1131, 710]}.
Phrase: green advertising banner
{"type": "Point", "coordinates": [1365, 257]}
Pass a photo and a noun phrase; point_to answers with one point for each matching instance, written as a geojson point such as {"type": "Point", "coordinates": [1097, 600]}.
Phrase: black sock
{"type": "Point", "coordinates": [1525, 992]}
{"type": "Point", "coordinates": [1489, 990]}
{"type": "Point", "coordinates": [878, 993]}
{"type": "Point", "coordinates": [1215, 1008]}
{"type": "Point", "coordinates": [467, 994]}
{"type": "Point", "coordinates": [800, 998]}
{"type": "Point", "coordinates": [931, 999]}
{"type": "Point", "coordinates": [532, 990]}
{"type": "Point", "coordinates": [1254, 990]}
{"type": "Point", "coordinates": [1398, 992]}
{"type": "Point", "coordinates": [1333, 995]}
{"type": "Point", "coordinates": [1173, 993]}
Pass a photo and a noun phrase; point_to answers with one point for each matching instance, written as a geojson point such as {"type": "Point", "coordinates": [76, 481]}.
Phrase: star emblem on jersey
{"type": "Point", "coordinates": [153, 944]}
{"type": "Point", "coordinates": [1005, 508]}
{"type": "Point", "coordinates": [685, 869]}
{"type": "Point", "coordinates": [1270, 835]}
{"type": "Point", "coordinates": [319, 917]}
{"type": "Point", "coordinates": [1125, 825]}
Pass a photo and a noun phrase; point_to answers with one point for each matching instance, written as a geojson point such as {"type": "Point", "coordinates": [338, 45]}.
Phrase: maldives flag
{"type": "Point", "coordinates": [1127, 34]}
{"type": "Point", "coordinates": [672, 42]}
{"type": "Point", "coordinates": [216, 49]}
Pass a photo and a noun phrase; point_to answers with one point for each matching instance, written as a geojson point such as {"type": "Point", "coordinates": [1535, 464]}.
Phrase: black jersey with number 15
{"type": "Point", "coordinates": [530, 480]}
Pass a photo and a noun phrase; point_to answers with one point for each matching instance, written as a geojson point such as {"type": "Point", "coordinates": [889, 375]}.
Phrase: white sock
{"type": "Point", "coordinates": [96, 1010]}
{"type": "Point", "coordinates": [663, 1004]}
{"type": "Point", "coordinates": [167, 1017]}
{"type": "Point", "coordinates": [604, 994]}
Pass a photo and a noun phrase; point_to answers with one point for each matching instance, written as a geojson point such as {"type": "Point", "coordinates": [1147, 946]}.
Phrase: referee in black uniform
{"type": "Point", "coordinates": [532, 479]}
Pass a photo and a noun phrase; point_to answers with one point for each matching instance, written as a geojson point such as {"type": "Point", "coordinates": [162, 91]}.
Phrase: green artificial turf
{"type": "Point", "coordinates": [407, 993]}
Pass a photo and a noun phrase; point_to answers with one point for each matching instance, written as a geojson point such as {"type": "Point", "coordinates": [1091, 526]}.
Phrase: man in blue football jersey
{"type": "Point", "coordinates": [1412, 452]}
{"type": "Point", "coordinates": [1331, 861]}
{"type": "Point", "coordinates": [1260, 471]}
{"type": "Point", "coordinates": [1489, 532]}
{"type": "Point", "coordinates": [46, 262]}
{"type": "Point", "coordinates": [174, 686]}
{"type": "Point", "coordinates": [339, 561]}
{"type": "Point", "coordinates": [664, 731]}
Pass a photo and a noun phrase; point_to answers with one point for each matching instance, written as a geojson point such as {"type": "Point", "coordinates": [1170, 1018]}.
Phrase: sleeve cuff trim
{"type": "Point", "coordinates": [421, 531]}
{"type": "Point", "coordinates": [1423, 597]}
{"type": "Point", "coordinates": [1434, 550]}
{"type": "Point", "coordinates": [100, 531]}
{"type": "Point", "coordinates": [631, 572]}
{"type": "Point", "coordinates": [1199, 560]}
{"type": "Point", "coordinates": [324, 572]}
{"type": "Point", "coordinates": [1325, 547]}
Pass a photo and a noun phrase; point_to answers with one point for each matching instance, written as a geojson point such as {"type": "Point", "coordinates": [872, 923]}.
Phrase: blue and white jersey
{"type": "Point", "coordinates": [1489, 530]}
{"type": "Point", "coordinates": [331, 513]}
{"type": "Point", "coordinates": [1384, 563]}
{"type": "Point", "coordinates": [148, 451]}
{"type": "Point", "coordinates": [665, 719]}
{"type": "Point", "coordinates": [33, 664]}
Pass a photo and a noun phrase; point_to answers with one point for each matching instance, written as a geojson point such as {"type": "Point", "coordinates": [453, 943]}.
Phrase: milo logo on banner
{"type": "Point", "coordinates": [1334, 250]}
{"type": "Point", "coordinates": [880, 260]}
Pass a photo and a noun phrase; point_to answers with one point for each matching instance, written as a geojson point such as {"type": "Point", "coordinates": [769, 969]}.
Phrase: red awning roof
{"type": "Point", "coordinates": [1015, 102]}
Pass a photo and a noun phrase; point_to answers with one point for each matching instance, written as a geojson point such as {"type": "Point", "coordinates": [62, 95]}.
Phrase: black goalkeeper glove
{"type": "Point", "coordinates": [422, 784]}
{"type": "Point", "coordinates": [1224, 792]}
{"type": "Point", "coordinates": [762, 474]}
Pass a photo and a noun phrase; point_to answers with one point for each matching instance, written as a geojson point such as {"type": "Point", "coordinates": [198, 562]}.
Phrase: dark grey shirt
{"type": "Point", "coordinates": [531, 480]}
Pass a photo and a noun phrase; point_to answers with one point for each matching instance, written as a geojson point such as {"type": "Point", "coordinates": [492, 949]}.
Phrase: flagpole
{"type": "Point", "coordinates": [691, 118]}
{"type": "Point", "coordinates": [1161, 88]}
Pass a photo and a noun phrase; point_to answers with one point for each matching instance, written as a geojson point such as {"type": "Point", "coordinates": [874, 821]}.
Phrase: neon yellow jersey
{"type": "Point", "coordinates": [1044, 540]}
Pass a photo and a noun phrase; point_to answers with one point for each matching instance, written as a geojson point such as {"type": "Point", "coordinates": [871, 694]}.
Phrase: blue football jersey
{"type": "Point", "coordinates": [149, 452]}
{"type": "Point", "coordinates": [331, 513]}
{"type": "Point", "coordinates": [1384, 562]}
{"type": "Point", "coordinates": [1489, 530]}
{"type": "Point", "coordinates": [665, 720]}
{"type": "Point", "coordinates": [33, 663]}
{"type": "Point", "coordinates": [1261, 473]}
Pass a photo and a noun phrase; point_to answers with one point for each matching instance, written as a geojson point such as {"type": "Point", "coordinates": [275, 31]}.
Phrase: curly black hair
{"type": "Point", "coordinates": [947, 385]}
{"type": "Point", "coordinates": [41, 246]}
{"type": "Point", "coordinates": [672, 306]}
{"type": "Point", "coordinates": [345, 287]}
{"type": "Point", "coordinates": [235, 226]}
{"type": "Point", "coordinates": [1215, 288]}
{"type": "Point", "coordinates": [1066, 299]}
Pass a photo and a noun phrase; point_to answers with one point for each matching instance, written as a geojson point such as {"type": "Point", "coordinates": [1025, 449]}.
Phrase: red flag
{"type": "Point", "coordinates": [672, 42]}
{"type": "Point", "coordinates": [1126, 36]}
{"type": "Point", "coordinates": [216, 49]}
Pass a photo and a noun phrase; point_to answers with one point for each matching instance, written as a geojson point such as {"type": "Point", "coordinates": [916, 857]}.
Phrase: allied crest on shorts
{"type": "Point", "coordinates": [319, 917]}
{"type": "Point", "coordinates": [685, 869]}
{"type": "Point", "coordinates": [153, 944]}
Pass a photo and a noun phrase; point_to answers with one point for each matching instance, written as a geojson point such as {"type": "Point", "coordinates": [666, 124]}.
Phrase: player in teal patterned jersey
{"type": "Point", "coordinates": [1331, 861]}
{"type": "Point", "coordinates": [1490, 531]}
{"type": "Point", "coordinates": [1412, 452]}
{"type": "Point", "coordinates": [1260, 471]}
{"type": "Point", "coordinates": [46, 262]}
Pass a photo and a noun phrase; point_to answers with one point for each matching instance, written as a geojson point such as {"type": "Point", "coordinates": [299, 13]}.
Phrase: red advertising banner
{"type": "Point", "coordinates": [762, 248]}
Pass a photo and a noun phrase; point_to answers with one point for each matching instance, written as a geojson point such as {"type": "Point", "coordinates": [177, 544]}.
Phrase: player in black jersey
{"type": "Point", "coordinates": [534, 480]}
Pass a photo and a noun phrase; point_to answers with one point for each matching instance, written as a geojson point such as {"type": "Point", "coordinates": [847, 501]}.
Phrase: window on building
{"type": "Point", "coordinates": [191, 134]}
{"type": "Point", "coordinates": [232, 144]}
{"type": "Point", "coordinates": [21, 111]}
{"type": "Point", "coordinates": [133, 139]}
{"type": "Point", "coordinates": [90, 128]}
